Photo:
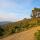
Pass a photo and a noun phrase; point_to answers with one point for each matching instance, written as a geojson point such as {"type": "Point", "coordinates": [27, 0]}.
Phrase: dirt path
{"type": "Point", "coordinates": [26, 35]}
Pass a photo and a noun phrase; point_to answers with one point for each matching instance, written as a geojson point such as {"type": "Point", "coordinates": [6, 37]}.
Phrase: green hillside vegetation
{"type": "Point", "coordinates": [16, 27]}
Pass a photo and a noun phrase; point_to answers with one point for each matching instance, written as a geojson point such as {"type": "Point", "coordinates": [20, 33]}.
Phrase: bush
{"type": "Point", "coordinates": [1, 31]}
{"type": "Point", "coordinates": [13, 30]}
{"type": "Point", "coordinates": [37, 35]}
{"type": "Point", "coordinates": [18, 28]}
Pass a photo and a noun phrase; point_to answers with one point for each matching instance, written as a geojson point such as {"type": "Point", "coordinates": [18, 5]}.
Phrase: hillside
{"type": "Point", "coordinates": [26, 35]}
{"type": "Point", "coordinates": [17, 27]}
{"type": "Point", "coordinates": [4, 22]}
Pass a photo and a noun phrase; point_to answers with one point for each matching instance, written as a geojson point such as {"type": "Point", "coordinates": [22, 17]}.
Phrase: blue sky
{"type": "Point", "coordinates": [14, 10]}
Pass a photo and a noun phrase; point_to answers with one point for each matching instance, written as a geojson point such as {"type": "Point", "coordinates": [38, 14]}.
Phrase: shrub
{"type": "Point", "coordinates": [1, 31]}
{"type": "Point", "coordinates": [13, 30]}
{"type": "Point", "coordinates": [37, 35]}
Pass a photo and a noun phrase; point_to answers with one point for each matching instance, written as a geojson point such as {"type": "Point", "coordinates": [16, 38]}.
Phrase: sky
{"type": "Point", "coordinates": [14, 10]}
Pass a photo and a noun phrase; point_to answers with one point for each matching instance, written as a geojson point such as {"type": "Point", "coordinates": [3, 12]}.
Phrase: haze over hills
{"type": "Point", "coordinates": [4, 22]}
{"type": "Point", "coordinates": [19, 18]}
{"type": "Point", "coordinates": [17, 27]}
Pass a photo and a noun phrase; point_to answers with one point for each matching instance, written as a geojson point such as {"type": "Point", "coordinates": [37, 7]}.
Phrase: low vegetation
{"type": "Point", "coordinates": [17, 27]}
{"type": "Point", "coordinates": [37, 35]}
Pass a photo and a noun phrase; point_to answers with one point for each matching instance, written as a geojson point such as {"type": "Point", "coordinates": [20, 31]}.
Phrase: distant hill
{"type": "Point", "coordinates": [7, 28]}
{"type": "Point", "coordinates": [4, 22]}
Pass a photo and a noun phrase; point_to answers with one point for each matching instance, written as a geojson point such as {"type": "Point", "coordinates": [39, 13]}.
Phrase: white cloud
{"type": "Point", "coordinates": [7, 15]}
{"type": "Point", "coordinates": [18, 5]}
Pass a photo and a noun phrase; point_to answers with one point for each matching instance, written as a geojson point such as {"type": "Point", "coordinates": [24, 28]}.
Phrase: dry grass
{"type": "Point", "coordinates": [26, 35]}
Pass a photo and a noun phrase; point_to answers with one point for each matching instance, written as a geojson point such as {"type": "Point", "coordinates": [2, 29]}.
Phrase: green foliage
{"type": "Point", "coordinates": [1, 31]}
{"type": "Point", "coordinates": [37, 9]}
{"type": "Point", "coordinates": [13, 30]}
{"type": "Point", "coordinates": [37, 35]}
{"type": "Point", "coordinates": [19, 26]}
